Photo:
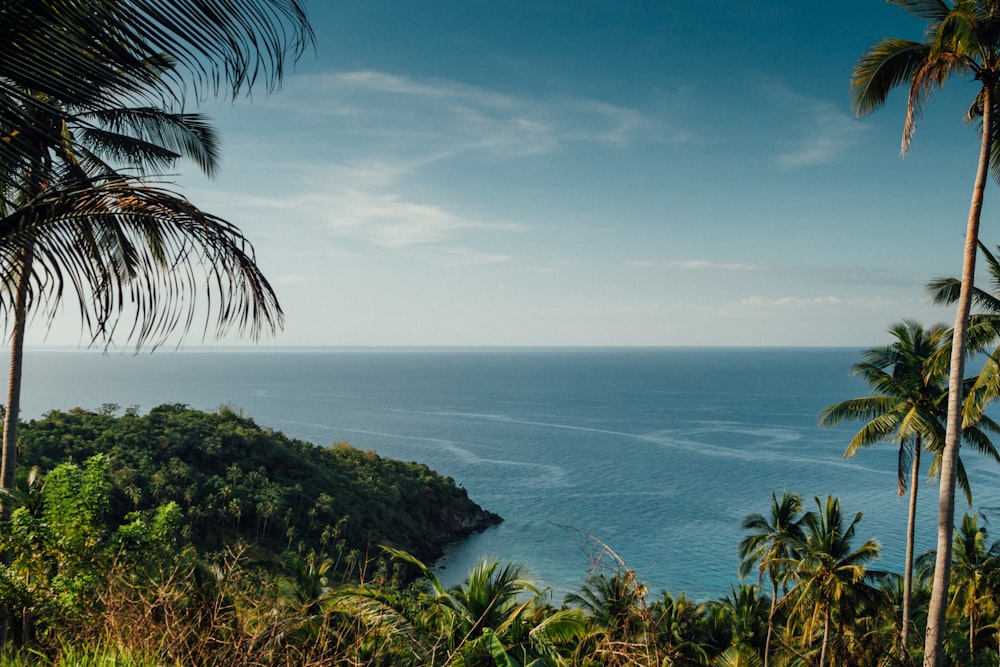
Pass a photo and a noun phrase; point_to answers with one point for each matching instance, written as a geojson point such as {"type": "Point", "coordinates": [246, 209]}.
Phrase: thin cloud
{"type": "Point", "coordinates": [790, 301]}
{"type": "Point", "coordinates": [363, 143]}
{"type": "Point", "coordinates": [385, 220]}
{"type": "Point", "coordinates": [469, 257]}
{"type": "Point", "coordinates": [819, 131]}
{"type": "Point", "coordinates": [453, 117]}
{"type": "Point", "coordinates": [701, 265]}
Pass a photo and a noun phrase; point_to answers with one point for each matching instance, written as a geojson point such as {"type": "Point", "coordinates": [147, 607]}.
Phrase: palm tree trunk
{"type": "Point", "coordinates": [12, 414]}
{"type": "Point", "coordinates": [911, 524]}
{"type": "Point", "coordinates": [934, 639]}
{"type": "Point", "coordinates": [972, 636]}
{"type": "Point", "coordinates": [8, 456]}
{"type": "Point", "coordinates": [770, 622]}
{"type": "Point", "coordinates": [826, 639]}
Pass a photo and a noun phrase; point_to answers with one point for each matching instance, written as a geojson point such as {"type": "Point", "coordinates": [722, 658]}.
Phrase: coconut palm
{"type": "Point", "coordinates": [769, 546]}
{"type": "Point", "coordinates": [677, 621]}
{"type": "Point", "coordinates": [961, 39]}
{"type": "Point", "coordinates": [76, 214]}
{"type": "Point", "coordinates": [74, 53]}
{"type": "Point", "coordinates": [908, 383]}
{"type": "Point", "coordinates": [495, 618]}
{"type": "Point", "coordinates": [984, 330]}
{"type": "Point", "coordinates": [78, 63]}
{"type": "Point", "coordinates": [975, 565]}
{"type": "Point", "coordinates": [745, 612]}
{"type": "Point", "coordinates": [832, 579]}
{"type": "Point", "coordinates": [619, 620]}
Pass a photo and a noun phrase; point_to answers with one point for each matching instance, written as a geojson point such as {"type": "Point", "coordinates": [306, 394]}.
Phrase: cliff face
{"type": "Point", "coordinates": [459, 522]}
{"type": "Point", "coordinates": [238, 481]}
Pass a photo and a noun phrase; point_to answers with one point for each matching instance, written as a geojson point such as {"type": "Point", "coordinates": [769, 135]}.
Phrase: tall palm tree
{"type": "Point", "coordinates": [961, 39]}
{"type": "Point", "coordinates": [769, 546]}
{"type": "Point", "coordinates": [60, 135]}
{"type": "Point", "coordinates": [832, 579]}
{"type": "Point", "coordinates": [908, 380]}
{"type": "Point", "coordinates": [60, 51]}
{"type": "Point", "coordinates": [157, 260]}
{"type": "Point", "coordinates": [984, 330]}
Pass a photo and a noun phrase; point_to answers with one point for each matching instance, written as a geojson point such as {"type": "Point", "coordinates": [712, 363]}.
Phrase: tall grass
{"type": "Point", "coordinates": [101, 654]}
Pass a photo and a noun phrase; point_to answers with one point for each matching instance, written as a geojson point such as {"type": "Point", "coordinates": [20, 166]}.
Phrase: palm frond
{"type": "Point", "coordinates": [99, 54]}
{"type": "Point", "coordinates": [931, 10]}
{"type": "Point", "coordinates": [886, 65]}
{"type": "Point", "coordinates": [927, 77]}
{"type": "Point", "coordinates": [136, 155]}
{"type": "Point", "coordinates": [865, 407]}
{"type": "Point", "coordinates": [178, 134]}
{"type": "Point", "coordinates": [130, 249]}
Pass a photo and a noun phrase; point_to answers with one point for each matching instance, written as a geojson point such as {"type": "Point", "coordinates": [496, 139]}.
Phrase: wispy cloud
{"type": "Point", "coordinates": [790, 301]}
{"type": "Point", "coordinates": [446, 117]}
{"type": "Point", "coordinates": [366, 143]}
{"type": "Point", "coordinates": [360, 209]}
{"type": "Point", "coordinates": [701, 265]}
{"type": "Point", "coordinates": [817, 130]}
{"type": "Point", "coordinates": [362, 154]}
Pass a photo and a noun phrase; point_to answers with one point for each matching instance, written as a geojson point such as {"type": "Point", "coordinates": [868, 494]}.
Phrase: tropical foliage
{"type": "Point", "coordinates": [235, 481]}
{"type": "Point", "coordinates": [94, 54]}
{"type": "Point", "coordinates": [84, 121]}
{"type": "Point", "coordinates": [181, 537]}
{"type": "Point", "coordinates": [193, 538]}
{"type": "Point", "coordinates": [907, 405]}
{"type": "Point", "coordinates": [961, 40]}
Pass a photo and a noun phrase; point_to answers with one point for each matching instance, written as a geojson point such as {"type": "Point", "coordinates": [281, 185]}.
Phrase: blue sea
{"type": "Point", "coordinates": [653, 453]}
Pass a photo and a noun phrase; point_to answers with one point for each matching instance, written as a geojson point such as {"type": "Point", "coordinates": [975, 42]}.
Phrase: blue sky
{"type": "Point", "coordinates": [592, 173]}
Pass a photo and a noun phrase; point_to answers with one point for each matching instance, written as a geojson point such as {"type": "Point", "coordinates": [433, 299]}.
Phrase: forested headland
{"type": "Point", "coordinates": [235, 482]}
{"type": "Point", "coordinates": [124, 523]}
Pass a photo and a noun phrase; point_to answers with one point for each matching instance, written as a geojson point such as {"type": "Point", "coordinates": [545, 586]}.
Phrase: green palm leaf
{"type": "Point", "coordinates": [101, 54]}
{"type": "Point", "coordinates": [161, 247]}
{"type": "Point", "coordinates": [930, 10]}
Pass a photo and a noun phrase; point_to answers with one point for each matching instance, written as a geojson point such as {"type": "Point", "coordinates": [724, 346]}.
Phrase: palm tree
{"type": "Point", "coordinates": [494, 618]}
{"type": "Point", "coordinates": [908, 383]}
{"type": "Point", "coordinates": [984, 331]}
{"type": "Point", "coordinates": [303, 592]}
{"type": "Point", "coordinates": [676, 621]}
{"type": "Point", "coordinates": [59, 52]}
{"type": "Point", "coordinates": [832, 579]}
{"type": "Point", "coordinates": [76, 213]}
{"type": "Point", "coordinates": [620, 622]}
{"type": "Point", "coordinates": [960, 40]}
{"type": "Point", "coordinates": [744, 610]}
{"type": "Point", "coordinates": [769, 546]}
{"type": "Point", "coordinates": [79, 62]}
{"type": "Point", "coordinates": [975, 565]}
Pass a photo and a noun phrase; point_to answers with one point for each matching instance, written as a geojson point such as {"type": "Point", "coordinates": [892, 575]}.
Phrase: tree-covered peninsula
{"type": "Point", "coordinates": [237, 482]}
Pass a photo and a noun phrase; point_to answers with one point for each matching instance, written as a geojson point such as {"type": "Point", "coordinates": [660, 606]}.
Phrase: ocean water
{"type": "Point", "coordinates": [655, 454]}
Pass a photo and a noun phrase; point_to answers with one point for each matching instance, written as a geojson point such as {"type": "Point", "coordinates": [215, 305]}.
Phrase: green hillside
{"type": "Point", "coordinates": [235, 480]}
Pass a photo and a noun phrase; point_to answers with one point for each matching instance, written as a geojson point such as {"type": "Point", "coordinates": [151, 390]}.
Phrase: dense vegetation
{"type": "Point", "coordinates": [184, 538]}
{"type": "Point", "coordinates": [235, 481]}
{"type": "Point", "coordinates": [189, 538]}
